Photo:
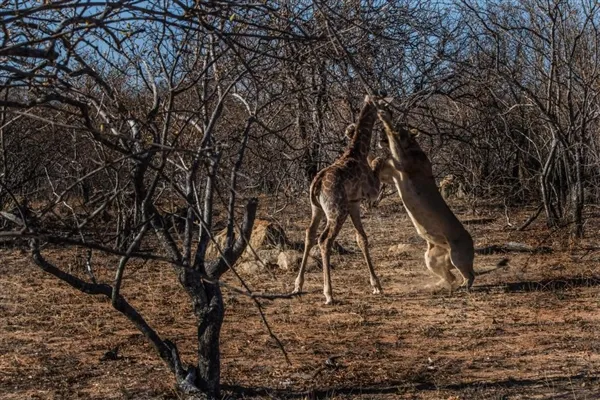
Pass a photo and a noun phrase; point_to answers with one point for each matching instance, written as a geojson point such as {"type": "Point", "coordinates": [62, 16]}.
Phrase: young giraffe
{"type": "Point", "coordinates": [336, 192]}
{"type": "Point", "coordinates": [379, 165]}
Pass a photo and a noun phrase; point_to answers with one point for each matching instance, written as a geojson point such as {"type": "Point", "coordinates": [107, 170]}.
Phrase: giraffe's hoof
{"type": "Point", "coordinates": [376, 286]}
{"type": "Point", "coordinates": [328, 301]}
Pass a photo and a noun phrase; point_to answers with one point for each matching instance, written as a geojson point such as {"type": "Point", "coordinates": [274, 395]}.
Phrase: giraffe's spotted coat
{"type": "Point", "coordinates": [336, 192]}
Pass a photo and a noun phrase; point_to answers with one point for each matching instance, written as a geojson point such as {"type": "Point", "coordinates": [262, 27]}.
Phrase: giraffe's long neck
{"type": "Point", "coordinates": [361, 142]}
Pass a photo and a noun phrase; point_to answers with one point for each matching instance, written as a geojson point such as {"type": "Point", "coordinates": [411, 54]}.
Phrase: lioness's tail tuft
{"type": "Point", "coordinates": [503, 262]}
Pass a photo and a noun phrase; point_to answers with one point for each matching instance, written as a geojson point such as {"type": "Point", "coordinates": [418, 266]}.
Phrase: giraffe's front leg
{"type": "Point", "coordinates": [363, 243]}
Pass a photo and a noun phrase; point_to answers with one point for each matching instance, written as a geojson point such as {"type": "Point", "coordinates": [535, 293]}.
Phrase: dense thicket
{"type": "Point", "coordinates": [121, 119]}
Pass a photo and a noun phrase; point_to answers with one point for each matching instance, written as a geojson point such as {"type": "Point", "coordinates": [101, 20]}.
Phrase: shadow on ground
{"type": "Point", "coordinates": [564, 382]}
{"type": "Point", "coordinates": [544, 285]}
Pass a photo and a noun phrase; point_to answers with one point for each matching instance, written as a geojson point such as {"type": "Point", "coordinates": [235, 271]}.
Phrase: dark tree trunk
{"type": "Point", "coordinates": [309, 164]}
{"type": "Point", "coordinates": [309, 160]}
{"type": "Point", "coordinates": [209, 319]}
{"type": "Point", "coordinates": [545, 187]}
{"type": "Point", "coordinates": [578, 197]}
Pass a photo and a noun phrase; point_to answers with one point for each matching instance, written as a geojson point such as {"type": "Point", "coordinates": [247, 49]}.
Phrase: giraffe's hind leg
{"type": "Point", "coordinates": [363, 243]}
{"type": "Point", "coordinates": [309, 242]}
{"type": "Point", "coordinates": [334, 225]}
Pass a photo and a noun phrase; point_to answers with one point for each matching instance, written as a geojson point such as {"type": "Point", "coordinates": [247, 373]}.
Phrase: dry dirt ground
{"type": "Point", "coordinates": [527, 331]}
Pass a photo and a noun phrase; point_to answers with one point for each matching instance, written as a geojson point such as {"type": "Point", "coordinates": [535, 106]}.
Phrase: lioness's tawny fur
{"type": "Point", "coordinates": [449, 245]}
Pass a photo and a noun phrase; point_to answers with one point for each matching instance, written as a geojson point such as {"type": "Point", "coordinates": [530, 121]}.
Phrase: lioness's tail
{"type": "Point", "coordinates": [499, 265]}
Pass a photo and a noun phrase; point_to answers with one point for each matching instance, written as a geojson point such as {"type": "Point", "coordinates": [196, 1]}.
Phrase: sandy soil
{"type": "Point", "coordinates": [527, 331]}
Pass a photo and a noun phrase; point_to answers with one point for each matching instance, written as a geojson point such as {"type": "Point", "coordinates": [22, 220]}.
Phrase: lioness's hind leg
{"type": "Point", "coordinates": [437, 259]}
{"type": "Point", "coordinates": [462, 258]}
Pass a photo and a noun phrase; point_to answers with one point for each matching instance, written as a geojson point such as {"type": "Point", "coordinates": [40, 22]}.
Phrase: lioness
{"type": "Point", "coordinates": [448, 242]}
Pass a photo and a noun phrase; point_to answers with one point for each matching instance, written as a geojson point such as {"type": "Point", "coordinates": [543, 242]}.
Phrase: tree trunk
{"type": "Point", "coordinates": [546, 196]}
{"type": "Point", "coordinates": [209, 319]}
{"type": "Point", "coordinates": [577, 196]}
{"type": "Point", "coordinates": [309, 164]}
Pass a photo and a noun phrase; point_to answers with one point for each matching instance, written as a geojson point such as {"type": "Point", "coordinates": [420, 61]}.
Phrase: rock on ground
{"type": "Point", "coordinates": [265, 234]}
{"type": "Point", "coordinates": [290, 260]}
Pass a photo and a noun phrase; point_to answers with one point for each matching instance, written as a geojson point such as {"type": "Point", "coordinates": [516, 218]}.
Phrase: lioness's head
{"type": "Point", "coordinates": [397, 136]}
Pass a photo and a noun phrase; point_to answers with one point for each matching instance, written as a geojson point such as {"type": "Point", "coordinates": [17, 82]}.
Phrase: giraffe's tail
{"type": "Point", "coordinates": [315, 190]}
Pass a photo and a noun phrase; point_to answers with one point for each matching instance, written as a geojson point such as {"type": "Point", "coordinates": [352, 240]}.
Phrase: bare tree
{"type": "Point", "coordinates": [140, 99]}
{"type": "Point", "coordinates": [540, 61]}
{"type": "Point", "coordinates": [134, 129]}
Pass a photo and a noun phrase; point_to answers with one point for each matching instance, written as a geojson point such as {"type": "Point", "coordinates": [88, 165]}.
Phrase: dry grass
{"type": "Point", "coordinates": [527, 331]}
